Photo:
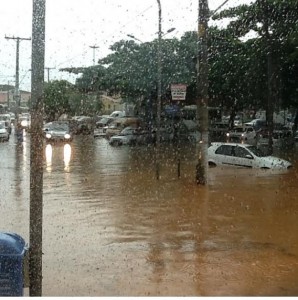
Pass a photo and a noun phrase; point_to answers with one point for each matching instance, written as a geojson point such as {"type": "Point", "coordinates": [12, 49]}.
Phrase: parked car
{"type": "Point", "coordinates": [241, 134]}
{"type": "Point", "coordinates": [218, 131]}
{"type": "Point", "coordinates": [4, 135]}
{"type": "Point", "coordinates": [126, 137]}
{"type": "Point", "coordinates": [119, 124]}
{"type": "Point", "coordinates": [243, 155]}
{"type": "Point", "coordinates": [104, 121]}
{"type": "Point", "coordinates": [85, 125]}
{"type": "Point", "coordinates": [257, 124]}
{"type": "Point", "coordinates": [132, 136]}
{"type": "Point", "coordinates": [57, 131]}
{"type": "Point", "coordinates": [281, 138]}
{"type": "Point", "coordinates": [186, 130]}
{"type": "Point", "coordinates": [117, 114]}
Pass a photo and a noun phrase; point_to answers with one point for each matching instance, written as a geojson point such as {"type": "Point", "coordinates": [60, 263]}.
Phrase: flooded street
{"type": "Point", "coordinates": [112, 229]}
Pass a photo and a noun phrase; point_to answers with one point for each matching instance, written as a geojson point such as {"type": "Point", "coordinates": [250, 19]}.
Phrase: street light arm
{"type": "Point", "coordinates": [134, 38]}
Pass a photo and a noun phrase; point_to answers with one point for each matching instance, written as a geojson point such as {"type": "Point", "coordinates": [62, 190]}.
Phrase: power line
{"type": "Point", "coordinates": [110, 34]}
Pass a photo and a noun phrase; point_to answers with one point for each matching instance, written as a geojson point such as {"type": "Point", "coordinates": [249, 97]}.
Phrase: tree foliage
{"type": "Point", "coordinates": [238, 65]}
{"type": "Point", "coordinates": [57, 95]}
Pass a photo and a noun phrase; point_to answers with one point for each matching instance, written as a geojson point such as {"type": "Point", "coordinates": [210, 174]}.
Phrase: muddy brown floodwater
{"type": "Point", "coordinates": [111, 229]}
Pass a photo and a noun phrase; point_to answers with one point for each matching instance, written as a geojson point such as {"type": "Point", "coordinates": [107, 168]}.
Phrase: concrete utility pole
{"type": "Point", "coordinates": [48, 72]}
{"type": "Point", "coordinates": [8, 94]}
{"type": "Point", "coordinates": [270, 77]}
{"type": "Point", "coordinates": [94, 47]}
{"type": "Point", "coordinates": [17, 84]}
{"type": "Point", "coordinates": [158, 92]}
{"type": "Point", "coordinates": [36, 151]}
{"type": "Point", "coordinates": [202, 94]}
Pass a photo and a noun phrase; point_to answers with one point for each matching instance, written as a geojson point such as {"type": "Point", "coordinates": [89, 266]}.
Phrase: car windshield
{"type": "Point", "coordinates": [256, 151]}
{"type": "Point", "coordinates": [126, 131]}
{"type": "Point", "coordinates": [238, 130]}
{"type": "Point", "coordinates": [59, 127]}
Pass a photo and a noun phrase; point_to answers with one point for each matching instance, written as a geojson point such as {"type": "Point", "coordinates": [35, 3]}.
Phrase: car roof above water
{"type": "Point", "coordinates": [228, 144]}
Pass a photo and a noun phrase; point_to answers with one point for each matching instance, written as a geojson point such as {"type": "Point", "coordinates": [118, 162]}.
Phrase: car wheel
{"type": "Point", "coordinates": [211, 164]}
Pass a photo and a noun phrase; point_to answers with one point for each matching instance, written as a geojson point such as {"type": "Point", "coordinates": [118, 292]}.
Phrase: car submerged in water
{"type": "Point", "coordinates": [243, 155]}
{"type": "Point", "coordinates": [57, 131]}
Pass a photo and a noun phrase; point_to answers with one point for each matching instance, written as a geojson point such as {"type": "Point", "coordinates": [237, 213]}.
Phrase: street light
{"type": "Point", "coordinates": [158, 104]}
{"type": "Point", "coordinates": [169, 30]}
{"type": "Point", "coordinates": [94, 47]}
{"type": "Point", "coordinates": [134, 38]}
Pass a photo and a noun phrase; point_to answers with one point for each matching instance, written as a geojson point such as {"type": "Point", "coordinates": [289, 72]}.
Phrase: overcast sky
{"type": "Point", "coordinates": [72, 26]}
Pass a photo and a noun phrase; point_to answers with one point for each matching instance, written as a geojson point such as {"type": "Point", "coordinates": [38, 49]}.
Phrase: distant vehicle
{"type": "Point", "coordinates": [57, 131]}
{"type": "Point", "coordinates": [282, 138]}
{"type": "Point", "coordinates": [104, 121]}
{"type": "Point", "coordinates": [117, 114]}
{"type": "Point", "coordinates": [241, 134]}
{"type": "Point", "coordinates": [25, 121]}
{"type": "Point", "coordinates": [6, 119]}
{"type": "Point", "coordinates": [257, 124]}
{"type": "Point", "coordinates": [85, 125]}
{"type": "Point", "coordinates": [243, 155]}
{"type": "Point", "coordinates": [186, 130]}
{"type": "Point", "coordinates": [132, 136]}
{"type": "Point", "coordinates": [218, 131]}
{"type": "Point", "coordinates": [126, 137]}
{"type": "Point", "coordinates": [4, 135]}
{"type": "Point", "coordinates": [119, 124]}
{"type": "Point", "coordinates": [12, 118]}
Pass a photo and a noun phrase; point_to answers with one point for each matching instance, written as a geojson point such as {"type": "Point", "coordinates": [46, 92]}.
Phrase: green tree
{"type": "Point", "coordinates": [275, 25]}
{"type": "Point", "coordinates": [57, 97]}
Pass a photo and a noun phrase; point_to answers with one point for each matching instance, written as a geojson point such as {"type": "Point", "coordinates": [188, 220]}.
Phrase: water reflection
{"type": "Point", "coordinates": [67, 156]}
{"type": "Point", "coordinates": [49, 155]}
{"type": "Point", "coordinates": [128, 234]}
{"type": "Point", "coordinates": [53, 156]}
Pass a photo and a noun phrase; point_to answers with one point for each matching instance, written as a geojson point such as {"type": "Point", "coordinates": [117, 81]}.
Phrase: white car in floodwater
{"type": "Point", "coordinates": [243, 155]}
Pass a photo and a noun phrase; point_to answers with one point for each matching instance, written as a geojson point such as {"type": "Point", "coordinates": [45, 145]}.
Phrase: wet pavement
{"type": "Point", "coordinates": [111, 229]}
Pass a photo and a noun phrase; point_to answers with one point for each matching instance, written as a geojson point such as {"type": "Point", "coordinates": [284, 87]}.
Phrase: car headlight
{"type": "Point", "coordinates": [67, 136]}
{"type": "Point", "coordinates": [228, 134]}
{"type": "Point", "coordinates": [48, 135]}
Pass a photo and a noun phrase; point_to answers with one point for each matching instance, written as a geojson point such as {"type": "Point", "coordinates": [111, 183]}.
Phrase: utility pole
{"type": "Point", "coordinates": [36, 148]}
{"type": "Point", "coordinates": [17, 84]}
{"type": "Point", "coordinates": [158, 92]}
{"type": "Point", "coordinates": [8, 94]}
{"type": "Point", "coordinates": [48, 72]}
{"type": "Point", "coordinates": [202, 94]}
{"type": "Point", "coordinates": [270, 77]}
{"type": "Point", "coordinates": [94, 47]}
